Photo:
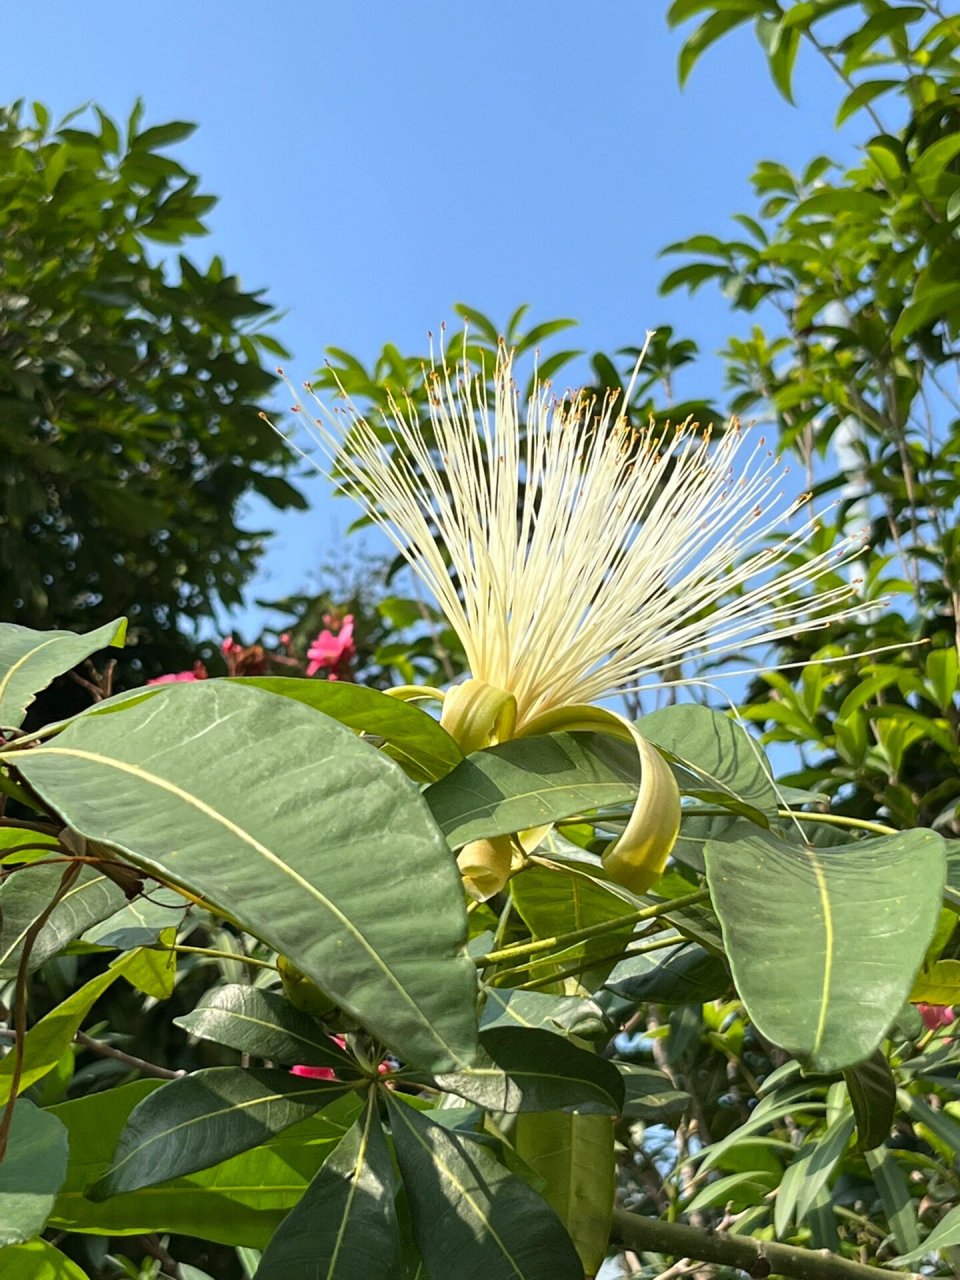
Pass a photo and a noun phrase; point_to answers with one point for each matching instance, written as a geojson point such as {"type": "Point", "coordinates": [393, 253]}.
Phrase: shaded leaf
{"type": "Point", "coordinates": [345, 1226]}
{"type": "Point", "coordinates": [203, 1119]}
{"type": "Point", "coordinates": [472, 1219]}
{"type": "Point", "coordinates": [873, 1094]}
{"type": "Point", "coordinates": [535, 1070]}
{"type": "Point", "coordinates": [240, 1201]}
{"type": "Point", "coordinates": [31, 1173]}
{"type": "Point", "coordinates": [263, 1024]}
{"type": "Point", "coordinates": [25, 895]}
{"type": "Point", "coordinates": [528, 782]}
{"type": "Point", "coordinates": [824, 942]}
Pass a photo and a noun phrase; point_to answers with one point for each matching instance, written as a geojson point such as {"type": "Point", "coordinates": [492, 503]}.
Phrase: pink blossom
{"type": "Point", "coordinates": [936, 1015]}
{"type": "Point", "coordinates": [228, 646]}
{"type": "Point", "coordinates": [314, 1073]}
{"type": "Point", "coordinates": [332, 650]}
{"type": "Point", "coordinates": [199, 672]}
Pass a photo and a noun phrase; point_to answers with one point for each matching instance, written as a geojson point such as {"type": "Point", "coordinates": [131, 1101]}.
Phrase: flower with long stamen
{"type": "Point", "coordinates": [576, 557]}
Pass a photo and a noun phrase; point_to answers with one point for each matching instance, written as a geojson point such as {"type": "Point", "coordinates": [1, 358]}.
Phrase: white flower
{"type": "Point", "coordinates": [576, 560]}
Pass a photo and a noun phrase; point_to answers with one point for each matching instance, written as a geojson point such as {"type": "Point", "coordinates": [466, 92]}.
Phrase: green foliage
{"type": "Point", "coordinates": [251, 801]}
{"type": "Point", "coordinates": [130, 385]}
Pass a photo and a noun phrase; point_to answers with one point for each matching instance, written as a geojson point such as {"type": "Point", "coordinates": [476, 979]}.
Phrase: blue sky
{"type": "Point", "coordinates": [378, 162]}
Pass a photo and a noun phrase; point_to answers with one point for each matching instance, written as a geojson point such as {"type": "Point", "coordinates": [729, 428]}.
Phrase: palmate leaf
{"type": "Point", "coordinates": [824, 943]}
{"type": "Point", "coordinates": [206, 1117]}
{"type": "Point", "coordinates": [287, 822]}
{"type": "Point", "coordinates": [345, 1226]}
{"type": "Point", "coordinates": [29, 660]}
{"type": "Point", "coordinates": [536, 1070]}
{"type": "Point", "coordinates": [239, 1201]}
{"type": "Point", "coordinates": [263, 1024]}
{"type": "Point", "coordinates": [472, 1219]}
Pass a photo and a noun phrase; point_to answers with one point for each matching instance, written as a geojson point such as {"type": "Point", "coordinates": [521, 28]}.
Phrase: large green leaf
{"type": "Point", "coordinates": [29, 660]}
{"type": "Point", "coordinates": [48, 1040]}
{"type": "Point", "coordinates": [240, 1201]}
{"type": "Point", "coordinates": [31, 1173]}
{"type": "Point", "coordinates": [727, 764]}
{"type": "Point", "coordinates": [24, 896]}
{"type": "Point", "coordinates": [285, 820]}
{"type": "Point", "coordinates": [345, 1226]}
{"type": "Point", "coordinates": [263, 1024]}
{"type": "Point", "coordinates": [824, 943]}
{"type": "Point", "coordinates": [38, 1260]}
{"type": "Point", "coordinates": [205, 1118]}
{"type": "Point", "coordinates": [535, 1070]}
{"type": "Point", "coordinates": [472, 1220]}
{"type": "Point", "coordinates": [409, 734]}
{"type": "Point", "coordinates": [528, 782]}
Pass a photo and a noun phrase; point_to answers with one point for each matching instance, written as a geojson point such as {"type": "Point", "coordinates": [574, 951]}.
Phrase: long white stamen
{"type": "Point", "coordinates": [588, 555]}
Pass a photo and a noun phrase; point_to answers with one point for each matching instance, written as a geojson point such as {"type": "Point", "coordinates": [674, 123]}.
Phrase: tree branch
{"type": "Point", "coordinates": [756, 1257]}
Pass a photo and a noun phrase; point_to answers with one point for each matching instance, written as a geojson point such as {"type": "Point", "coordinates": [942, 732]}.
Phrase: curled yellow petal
{"type": "Point", "coordinates": [638, 858]}
{"type": "Point", "coordinates": [478, 715]}
{"type": "Point", "coordinates": [485, 866]}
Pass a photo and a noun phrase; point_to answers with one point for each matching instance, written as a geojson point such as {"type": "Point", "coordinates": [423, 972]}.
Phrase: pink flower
{"type": "Point", "coordinates": [314, 1073]}
{"type": "Point", "coordinates": [332, 650]}
{"type": "Point", "coordinates": [199, 672]}
{"type": "Point", "coordinates": [936, 1015]}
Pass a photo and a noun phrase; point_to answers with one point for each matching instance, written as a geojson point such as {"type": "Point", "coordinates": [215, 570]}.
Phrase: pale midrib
{"type": "Point", "coordinates": [244, 836]}
{"type": "Point", "coordinates": [829, 942]}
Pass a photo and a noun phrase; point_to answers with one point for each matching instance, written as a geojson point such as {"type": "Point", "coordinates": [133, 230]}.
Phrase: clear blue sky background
{"type": "Point", "coordinates": [377, 162]}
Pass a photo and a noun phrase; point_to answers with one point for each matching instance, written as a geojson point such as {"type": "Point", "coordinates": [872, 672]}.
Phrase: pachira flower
{"type": "Point", "coordinates": [576, 559]}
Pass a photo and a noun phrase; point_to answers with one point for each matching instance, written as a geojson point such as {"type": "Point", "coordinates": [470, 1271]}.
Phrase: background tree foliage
{"type": "Point", "coordinates": [130, 384]}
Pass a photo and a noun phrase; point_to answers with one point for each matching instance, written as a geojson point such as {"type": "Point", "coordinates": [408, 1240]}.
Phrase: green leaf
{"type": "Point", "coordinates": [47, 1041]}
{"type": "Point", "coordinates": [162, 135]}
{"type": "Point", "coordinates": [727, 764]}
{"type": "Point", "coordinates": [528, 782]}
{"type": "Point", "coordinates": [26, 894]}
{"type": "Point", "coordinates": [263, 1024]}
{"type": "Point", "coordinates": [824, 942]}
{"type": "Point", "coordinates": [708, 33]}
{"type": "Point", "coordinates": [471, 1217]}
{"type": "Point", "coordinates": [574, 1157]}
{"type": "Point", "coordinates": [31, 1173]}
{"type": "Point", "coordinates": [934, 304]}
{"type": "Point", "coordinates": [241, 1201]}
{"type": "Point", "coordinates": [562, 1015]}
{"type": "Point", "coordinates": [205, 1118]}
{"type": "Point", "coordinates": [345, 1226]}
{"type": "Point", "coordinates": [38, 1260]}
{"type": "Point", "coordinates": [689, 975]}
{"type": "Point", "coordinates": [945, 1235]}
{"type": "Point", "coordinates": [535, 1070]}
{"type": "Point", "coordinates": [343, 870]}
{"type": "Point", "coordinates": [873, 1093]}
{"type": "Point", "coordinates": [895, 1197]}
{"type": "Point", "coordinates": [556, 901]}
{"type": "Point", "coordinates": [410, 735]}
{"type": "Point", "coordinates": [809, 1174]}
{"type": "Point", "coordinates": [861, 95]}
{"type": "Point", "coordinates": [29, 660]}
{"type": "Point", "coordinates": [649, 1094]}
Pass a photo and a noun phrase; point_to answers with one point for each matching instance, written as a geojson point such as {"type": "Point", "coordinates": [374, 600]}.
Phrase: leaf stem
{"type": "Point", "coordinates": [221, 955]}
{"type": "Point", "coordinates": [839, 820]}
{"type": "Point", "coordinates": [657, 944]}
{"type": "Point", "coordinates": [535, 945]}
